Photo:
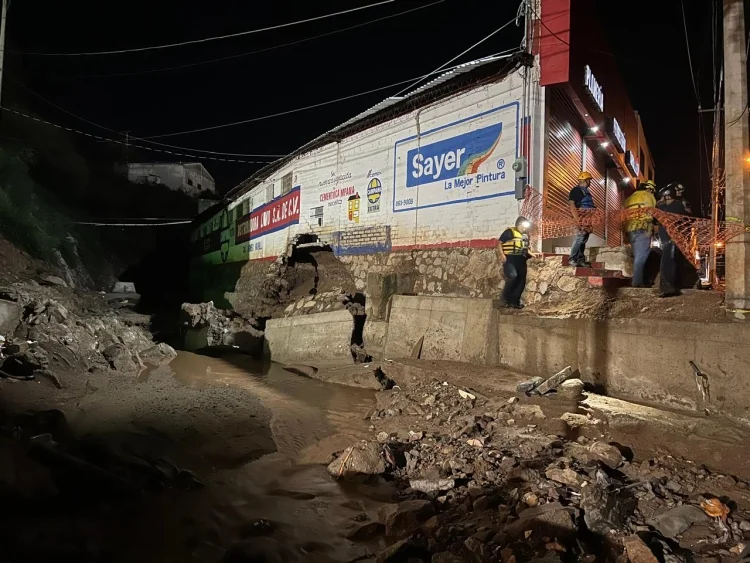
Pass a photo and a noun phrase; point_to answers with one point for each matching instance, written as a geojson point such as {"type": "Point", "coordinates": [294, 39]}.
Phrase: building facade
{"type": "Point", "coordinates": [191, 178]}
{"type": "Point", "coordinates": [442, 168]}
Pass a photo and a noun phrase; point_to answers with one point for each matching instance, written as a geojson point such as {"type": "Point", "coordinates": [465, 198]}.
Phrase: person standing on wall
{"type": "Point", "coordinates": [513, 253]}
{"type": "Point", "coordinates": [669, 284]}
{"type": "Point", "coordinates": [580, 198]}
{"type": "Point", "coordinates": [639, 228]}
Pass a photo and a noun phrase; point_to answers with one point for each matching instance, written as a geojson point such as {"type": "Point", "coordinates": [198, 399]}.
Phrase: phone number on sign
{"type": "Point", "coordinates": [403, 202]}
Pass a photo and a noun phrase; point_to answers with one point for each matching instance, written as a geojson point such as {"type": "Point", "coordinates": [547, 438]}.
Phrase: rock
{"type": "Point", "coordinates": [158, 355]}
{"type": "Point", "coordinates": [432, 485]}
{"type": "Point", "coordinates": [402, 551]}
{"type": "Point", "coordinates": [365, 531]}
{"type": "Point", "coordinates": [466, 395]}
{"type": "Point", "coordinates": [745, 526]}
{"type": "Point", "coordinates": [54, 280]}
{"type": "Point", "coordinates": [570, 390]}
{"type": "Point", "coordinates": [383, 436]}
{"type": "Point", "coordinates": [415, 436]}
{"type": "Point", "coordinates": [475, 443]}
{"type": "Point", "coordinates": [565, 476]}
{"type": "Point", "coordinates": [552, 519]}
{"type": "Point", "coordinates": [356, 505]}
{"type": "Point", "coordinates": [530, 385]}
{"type": "Point", "coordinates": [476, 549]}
{"type": "Point", "coordinates": [608, 454]}
{"type": "Point", "coordinates": [637, 551]}
{"type": "Point", "coordinates": [357, 462]}
{"type": "Point", "coordinates": [555, 381]}
{"type": "Point", "coordinates": [10, 316]}
{"type": "Point", "coordinates": [56, 312]}
{"type": "Point", "coordinates": [446, 557]}
{"type": "Point", "coordinates": [258, 528]}
{"type": "Point", "coordinates": [403, 518]}
{"type": "Point", "coordinates": [603, 510]}
{"type": "Point", "coordinates": [27, 362]}
{"type": "Point", "coordinates": [531, 500]}
{"type": "Point", "coordinates": [568, 283]}
{"type": "Point", "coordinates": [120, 359]}
{"type": "Point", "coordinates": [123, 287]}
{"type": "Point", "coordinates": [674, 522]}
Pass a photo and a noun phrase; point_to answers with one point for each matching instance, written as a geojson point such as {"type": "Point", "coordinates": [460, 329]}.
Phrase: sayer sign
{"type": "Point", "coordinates": [464, 160]}
{"type": "Point", "coordinates": [269, 218]}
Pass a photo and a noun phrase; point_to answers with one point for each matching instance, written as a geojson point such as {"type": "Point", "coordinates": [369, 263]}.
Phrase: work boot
{"type": "Point", "coordinates": [670, 293]}
{"type": "Point", "coordinates": [517, 306]}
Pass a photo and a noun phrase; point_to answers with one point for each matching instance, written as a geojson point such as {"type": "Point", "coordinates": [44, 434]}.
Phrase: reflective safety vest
{"type": "Point", "coordinates": [639, 221]}
{"type": "Point", "coordinates": [516, 244]}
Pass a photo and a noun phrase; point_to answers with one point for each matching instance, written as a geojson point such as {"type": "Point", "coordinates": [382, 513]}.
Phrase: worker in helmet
{"type": "Point", "coordinates": [513, 252]}
{"type": "Point", "coordinates": [580, 198]}
{"type": "Point", "coordinates": [679, 195]}
{"type": "Point", "coordinates": [670, 255]}
{"type": "Point", "coordinates": [639, 227]}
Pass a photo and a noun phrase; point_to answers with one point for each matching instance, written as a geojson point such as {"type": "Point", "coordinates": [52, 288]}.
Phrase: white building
{"type": "Point", "coordinates": [189, 177]}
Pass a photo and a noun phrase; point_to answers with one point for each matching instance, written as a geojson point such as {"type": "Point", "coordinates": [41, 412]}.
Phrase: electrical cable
{"type": "Point", "coordinates": [207, 39]}
{"type": "Point", "coordinates": [441, 67]}
{"type": "Point", "coordinates": [690, 58]}
{"type": "Point", "coordinates": [152, 149]}
{"type": "Point", "coordinates": [273, 47]}
{"type": "Point", "coordinates": [303, 108]}
{"type": "Point", "coordinates": [62, 109]}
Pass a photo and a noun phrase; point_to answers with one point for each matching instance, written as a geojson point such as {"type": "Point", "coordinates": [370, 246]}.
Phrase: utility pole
{"type": "Point", "coordinates": [3, 18]}
{"type": "Point", "coordinates": [736, 143]}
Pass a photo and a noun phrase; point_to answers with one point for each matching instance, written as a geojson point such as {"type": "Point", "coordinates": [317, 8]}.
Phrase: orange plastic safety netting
{"type": "Point", "coordinates": [694, 236]}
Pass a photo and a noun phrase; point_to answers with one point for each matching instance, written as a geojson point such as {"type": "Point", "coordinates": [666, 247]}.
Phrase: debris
{"type": "Point", "coordinates": [383, 436]}
{"type": "Point", "coordinates": [475, 443]}
{"type": "Point", "coordinates": [531, 500]}
{"type": "Point", "coordinates": [416, 351]}
{"type": "Point", "coordinates": [415, 436]}
{"type": "Point", "coordinates": [603, 511]}
{"type": "Point", "coordinates": [715, 508]}
{"type": "Point", "coordinates": [554, 381]}
{"type": "Point", "coordinates": [466, 395]}
{"type": "Point", "coordinates": [404, 550]}
{"type": "Point", "coordinates": [527, 387]}
{"type": "Point", "coordinates": [565, 476]}
{"type": "Point", "coordinates": [258, 528]}
{"type": "Point", "coordinates": [608, 454]}
{"type": "Point", "coordinates": [403, 518]}
{"type": "Point", "coordinates": [432, 485]}
{"type": "Point", "coordinates": [672, 523]}
{"type": "Point", "coordinates": [365, 531]}
{"type": "Point", "coordinates": [637, 551]}
{"type": "Point", "coordinates": [54, 280]}
{"type": "Point", "coordinates": [357, 462]}
{"type": "Point", "coordinates": [701, 380]}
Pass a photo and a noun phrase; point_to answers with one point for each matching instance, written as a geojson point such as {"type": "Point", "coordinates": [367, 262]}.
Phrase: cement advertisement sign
{"type": "Point", "coordinates": [465, 160]}
{"type": "Point", "coordinates": [271, 217]}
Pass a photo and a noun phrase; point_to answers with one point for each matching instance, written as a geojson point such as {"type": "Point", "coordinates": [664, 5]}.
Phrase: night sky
{"type": "Point", "coordinates": [651, 55]}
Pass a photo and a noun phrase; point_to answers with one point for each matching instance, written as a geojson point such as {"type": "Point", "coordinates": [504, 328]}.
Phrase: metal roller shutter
{"type": "Point", "coordinates": [614, 203]}
{"type": "Point", "coordinates": [595, 164]}
{"type": "Point", "coordinates": [565, 153]}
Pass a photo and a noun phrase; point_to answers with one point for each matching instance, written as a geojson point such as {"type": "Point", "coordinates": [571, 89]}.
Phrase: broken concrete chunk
{"type": "Point", "coordinates": [54, 280]}
{"type": "Point", "coordinates": [608, 454]}
{"type": "Point", "coordinates": [564, 476]}
{"type": "Point", "coordinates": [432, 485]}
{"type": "Point", "coordinates": [674, 522]}
{"type": "Point", "coordinates": [530, 385]}
{"type": "Point", "coordinates": [637, 551]}
{"type": "Point", "coordinates": [555, 381]}
{"type": "Point", "coordinates": [466, 395]}
{"type": "Point", "coordinates": [603, 511]}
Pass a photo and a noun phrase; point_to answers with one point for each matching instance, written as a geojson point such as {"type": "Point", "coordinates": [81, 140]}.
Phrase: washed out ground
{"type": "Point", "coordinates": [145, 455]}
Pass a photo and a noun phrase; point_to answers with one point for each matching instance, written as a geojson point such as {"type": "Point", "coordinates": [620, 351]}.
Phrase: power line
{"type": "Point", "coordinates": [690, 58]}
{"type": "Point", "coordinates": [296, 110]}
{"type": "Point", "coordinates": [441, 67]}
{"type": "Point", "coordinates": [152, 149]}
{"type": "Point", "coordinates": [62, 109]}
{"type": "Point", "coordinates": [171, 223]}
{"type": "Point", "coordinates": [273, 47]}
{"type": "Point", "coordinates": [207, 39]}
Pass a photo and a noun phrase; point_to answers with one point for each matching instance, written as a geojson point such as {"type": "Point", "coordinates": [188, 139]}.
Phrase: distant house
{"type": "Point", "coordinates": [189, 177]}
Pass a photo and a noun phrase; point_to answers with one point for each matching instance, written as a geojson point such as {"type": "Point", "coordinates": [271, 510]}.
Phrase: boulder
{"type": "Point", "coordinates": [26, 362]}
{"type": "Point", "coordinates": [403, 518]}
{"type": "Point", "coordinates": [54, 280]}
{"type": "Point", "coordinates": [432, 485]}
{"type": "Point", "coordinates": [158, 355]}
{"type": "Point", "coordinates": [10, 316]}
{"type": "Point", "coordinates": [120, 359]}
{"type": "Point", "coordinates": [401, 551]}
{"type": "Point", "coordinates": [358, 462]}
{"type": "Point", "coordinates": [674, 522]}
{"type": "Point", "coordinates": [608, 454]}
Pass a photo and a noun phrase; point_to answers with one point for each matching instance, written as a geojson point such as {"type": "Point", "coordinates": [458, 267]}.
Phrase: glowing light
{"type": "Point", "coordinates": [719, 244]}
{"type": "Point", "coordinates": [595, 128]}
{"type": "Point", "coordinates": [605, 144]}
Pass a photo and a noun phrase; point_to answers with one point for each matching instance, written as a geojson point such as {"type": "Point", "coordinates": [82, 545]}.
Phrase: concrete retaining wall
{"type": "Point", "coordinates": [322, 337]}
{"type": "Point", "coordinates": [454, 328]}
{"type": "Point", "coordinates": [639, 360]}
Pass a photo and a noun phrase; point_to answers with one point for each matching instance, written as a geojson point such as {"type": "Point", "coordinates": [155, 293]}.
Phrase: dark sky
{"type": "Point", "coordinates": [651, 55]}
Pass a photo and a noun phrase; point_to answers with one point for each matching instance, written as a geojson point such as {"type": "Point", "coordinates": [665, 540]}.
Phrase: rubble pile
{"type": "Point", "coordinates": [480, 479]}
{"type": "Point", "coordinates": [223, 327]}
{"type": "Point", "coordinates": [46, 332]}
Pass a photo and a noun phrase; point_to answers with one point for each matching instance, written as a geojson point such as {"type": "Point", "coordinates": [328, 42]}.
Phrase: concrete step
{"type": "Point", "coordinates": [608, 282]}
{"type": "Point", "coordinates": [582, 272]}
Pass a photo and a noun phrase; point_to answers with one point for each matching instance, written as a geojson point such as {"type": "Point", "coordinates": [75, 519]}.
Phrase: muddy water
{"type": "Point", "coordinates": [308, 420]}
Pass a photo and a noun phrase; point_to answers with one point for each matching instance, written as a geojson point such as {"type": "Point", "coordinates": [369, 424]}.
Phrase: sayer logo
{"type": "Point", "coordinates": [449, 158]}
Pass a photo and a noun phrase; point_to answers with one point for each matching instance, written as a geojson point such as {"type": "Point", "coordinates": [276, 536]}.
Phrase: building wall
{"type": "Point", "coordinates": [189, 178]}
{"type": "Point", "coordinates": [197, 178]}
{"type": "Point", "coordinates": [362, 194]}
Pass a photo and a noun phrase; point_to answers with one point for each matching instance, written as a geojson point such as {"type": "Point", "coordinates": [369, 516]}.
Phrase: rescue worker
{"type": "Point", "coordinates": [679, 195]}
{"type": "Point", "coordinates": [580, 198]}
{"type": "Point", "coordinates": [513, 252]}
{"type": "Point", "coordinates": [669, 285]}
{"type": "Point", "coordinates": [639, 228]}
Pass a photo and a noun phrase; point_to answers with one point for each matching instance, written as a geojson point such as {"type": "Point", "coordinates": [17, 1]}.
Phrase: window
{"type": "Point", "coordinates": [316, 214]}
{"type": "Point", "coordinates": [269, 192]}
{"type": "Point", "coordinates": [200, 187]}
{"type": "Point", "coordinates": [250, 205]}
{"type": "Point", "coordinates": [190, 181]}
{"type": "Point", "coordinates": [643, 163]}
{"type": "Point", "coordinates": [286, 184]}
{"type": "Point", "coordinates": [238, 212]}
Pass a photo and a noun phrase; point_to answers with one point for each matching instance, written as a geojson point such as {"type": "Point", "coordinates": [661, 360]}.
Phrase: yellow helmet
{"type": "Point", "coordinates": [584, 176]}
{"type": "Point", "coordinates": [648, 185]}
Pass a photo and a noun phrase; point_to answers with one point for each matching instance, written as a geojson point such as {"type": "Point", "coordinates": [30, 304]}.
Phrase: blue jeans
{"type": "Point", "coordinates": [577, 255]}
{"type": "Point", "coordinates": [640, 240]}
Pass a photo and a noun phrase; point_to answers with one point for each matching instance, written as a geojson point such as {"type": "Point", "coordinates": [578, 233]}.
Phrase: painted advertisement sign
{"type": "Point", "coordinates": [462, 161]}
{"type": "Point", "coordinates": [271, 217]}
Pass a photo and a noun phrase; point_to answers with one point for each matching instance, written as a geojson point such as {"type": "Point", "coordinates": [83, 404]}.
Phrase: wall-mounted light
{"type": "Point", "coordinates": [594, 129]}
{"type": "Point", "coordinates": [626, 181]}
{"type": "Point", "coordinates": [605, 144]}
